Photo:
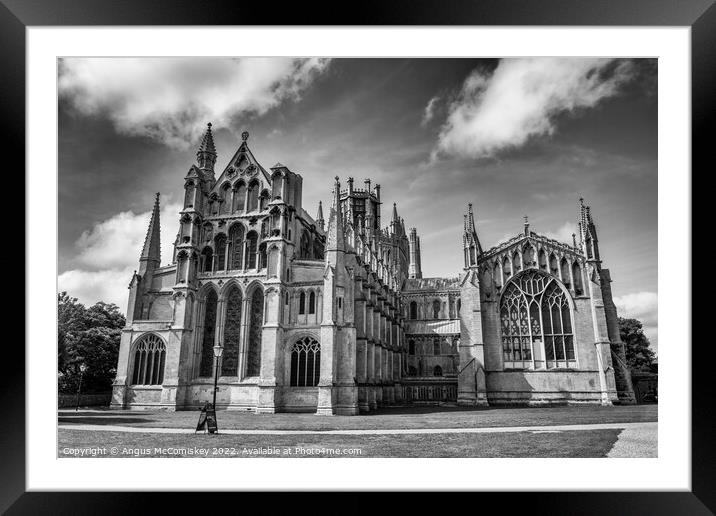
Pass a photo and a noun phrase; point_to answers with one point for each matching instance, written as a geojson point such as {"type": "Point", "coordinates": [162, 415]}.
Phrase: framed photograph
{"type": "Point", "coordinates": [442, 248]}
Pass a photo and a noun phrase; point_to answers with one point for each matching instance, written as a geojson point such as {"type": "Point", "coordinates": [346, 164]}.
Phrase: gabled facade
{"type": "Point", "coordinates": [334, 317]}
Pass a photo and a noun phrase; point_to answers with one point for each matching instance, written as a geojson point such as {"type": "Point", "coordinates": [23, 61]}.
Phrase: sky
{"type": "Point", "coordinates": [515, 137]}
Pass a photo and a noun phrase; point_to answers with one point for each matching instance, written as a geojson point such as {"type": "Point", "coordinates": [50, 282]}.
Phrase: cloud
{"type": "Point", "coordinates": [89, 287]}
{"type": "Point", "coordinates": [644, 307]}
{"type": "Point", "coordinates": [108, 253]}
{"type": "Point", "coordinates": [429, 112]}
{"type": "Point", "coordinates": [564, 233]}
{"type": "Point", "coordinates": [117, 242]}
{"type": "Point", "coordinates": [639, 305]}
{"type": "Point", "coordinates": [171, 99]}
{"type": "Point", "coordinates": [521, 99]}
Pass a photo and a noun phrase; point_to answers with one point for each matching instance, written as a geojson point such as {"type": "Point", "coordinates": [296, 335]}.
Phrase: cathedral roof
{"type": "Point", "coordinates": [423, 284]}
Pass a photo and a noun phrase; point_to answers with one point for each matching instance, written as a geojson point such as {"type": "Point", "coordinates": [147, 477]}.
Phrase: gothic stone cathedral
{"type": "Point", "coordinates": [336, 318]}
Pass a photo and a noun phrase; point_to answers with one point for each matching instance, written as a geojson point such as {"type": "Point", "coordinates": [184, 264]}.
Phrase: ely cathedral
{"type": "Point", "coordinates": [333, 316]}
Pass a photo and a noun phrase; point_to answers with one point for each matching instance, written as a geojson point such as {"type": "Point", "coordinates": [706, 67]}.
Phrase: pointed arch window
{"type": "Point", "coordinates": [253, 197]}
{"type": "Point", "coordinates": [232, 333]}
{"type": "Point", "coordinates": [236, 243]}
{"type": "Point", "coordinates": [302, 303]}
{"type": "Point", "coordinates": [437, 371]}
{"type": "Point", "coordinates": [239, 196]}
{"type": "Point", "coordinates": [220, 244]}
{"type": "Point", "coordinates": [413, 310]}
{"type": "Point", "coordinates": [536, 324]}
{"type": "Point", "coordinates": [253, 367]}
{"type": "Point", "coordinates": [206, 367]}
{"type": "Point", "coordinates": [436, 309]}
{"type": "Point", "coordinates": [305, 363]}
{"type": "Point", "coordinates": [411, 347]}
{"type": "Point", "coordinates": [312, 303]}
{"type": "Point", "coordinates": [251, 247]}
{"type": "Point", "coordinates": [149, 359]}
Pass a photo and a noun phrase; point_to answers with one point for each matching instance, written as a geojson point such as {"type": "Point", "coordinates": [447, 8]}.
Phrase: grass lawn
{"type": "Point", "coordinates": [387, 418]}
{"type": "Point", "coordinates": [578, 443]}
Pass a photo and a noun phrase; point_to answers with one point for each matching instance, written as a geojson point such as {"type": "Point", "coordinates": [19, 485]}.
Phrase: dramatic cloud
{"type": "Point", "coordinates": [109, 253]}
{"type": "Point", "coordinates": [89, 287]}
{"type": "Point", "coordinates": [429, 112]}
{"type": "Point", "coordinates": [521, 99]}
{"type": "Point", "coordinates": [171, 99]}
{"type": "Point", "coordinates": [117, 242]}
{"type": "Point", "coordinates": [644, 307]}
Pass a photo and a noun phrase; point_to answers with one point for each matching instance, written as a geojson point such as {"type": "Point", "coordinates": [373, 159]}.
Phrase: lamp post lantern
{"type": "Point", "coordinates": [218, 350]}
{"type": "Point", "coordinates": [82, 368]}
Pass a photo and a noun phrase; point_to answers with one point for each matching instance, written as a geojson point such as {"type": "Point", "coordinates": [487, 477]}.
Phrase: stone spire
{"type": "Point", "coordinates": [588, 233]}
{"type": "Point", "coordinates": [206, 155]}
{"type": "Point", "coordinates": [151, 252]}
{"type": "Point", "coordinates": [319, 217]}
{"type": "Point", "coordinates": [414, 269]}
{"type": "Point", "coordinates": [471, 243]}
{"type": "Point", "coordinates": [395, 221]}
{"type": "Point", "coordinates": [334, 236]}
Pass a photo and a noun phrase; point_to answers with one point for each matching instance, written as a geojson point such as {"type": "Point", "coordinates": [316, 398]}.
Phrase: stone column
{"type": "Point", "coordinates": [370, 374]}
{"type": "Point", "coordinates": [601, 339]}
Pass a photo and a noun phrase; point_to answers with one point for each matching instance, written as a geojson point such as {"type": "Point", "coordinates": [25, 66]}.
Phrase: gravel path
{"type": "Point", "coordinates": [640, 440]}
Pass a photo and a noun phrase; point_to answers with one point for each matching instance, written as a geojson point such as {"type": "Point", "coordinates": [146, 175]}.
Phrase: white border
{"type": "Point", "coordinates": [670, 471]}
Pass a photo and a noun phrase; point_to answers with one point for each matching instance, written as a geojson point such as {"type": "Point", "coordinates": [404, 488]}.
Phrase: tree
{"type": "Point", "coordinates": [87, 336]}
{"type": "Point", "coordinates": [639, 355]}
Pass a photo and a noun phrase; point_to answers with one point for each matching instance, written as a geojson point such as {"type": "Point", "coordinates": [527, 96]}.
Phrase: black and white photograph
{"type": "Point", "coordinates": [313, 257]}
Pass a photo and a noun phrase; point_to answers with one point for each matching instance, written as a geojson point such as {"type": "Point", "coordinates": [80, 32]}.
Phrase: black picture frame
{"type": "Point", "coordinates": [700, 15]}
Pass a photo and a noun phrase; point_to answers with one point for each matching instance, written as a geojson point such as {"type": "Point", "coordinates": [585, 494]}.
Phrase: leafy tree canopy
{"type": "Point", "coordinates": [88, 336]}
{"type": "Point", "coordinates": [639, 354]}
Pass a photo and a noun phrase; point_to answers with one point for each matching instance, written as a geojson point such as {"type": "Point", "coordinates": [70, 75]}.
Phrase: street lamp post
{"type": "Point", "coordinates": [83, 368]}
{"type": "Point", "coordinates": [218, 350]}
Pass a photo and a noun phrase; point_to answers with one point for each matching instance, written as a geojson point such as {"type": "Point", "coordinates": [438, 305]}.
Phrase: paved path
{"type": "Point", "coordinates": [638, 432]}
{"type": "Point", "coordinates": [636, 441]}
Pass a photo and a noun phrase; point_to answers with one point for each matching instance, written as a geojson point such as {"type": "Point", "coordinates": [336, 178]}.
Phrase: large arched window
{"type": "Point", "coordinates": [437, 371]}
{"type": "Point", "coordinates": [236, 243]}
{"type": "Point", "coordinates": [436, 347]}
{"type": "Point", "coordinates": [232, 333]}
{"type": "Point", "coordinates": [305, 363]}
{"type": "Point", "coordinates": [253, 367]}
{"type": "Point", "coordinates": [207, 343]}
{"type": "Point", "coordinates": [149, 357]}
{"type": "Point", "coordinates": [536, 323]}
{"type": "Point", "coordinates": [436, 309]}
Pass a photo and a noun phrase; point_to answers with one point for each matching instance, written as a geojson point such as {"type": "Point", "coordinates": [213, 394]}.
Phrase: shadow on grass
{"type": "Point", "coordinates": [79, 420]}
